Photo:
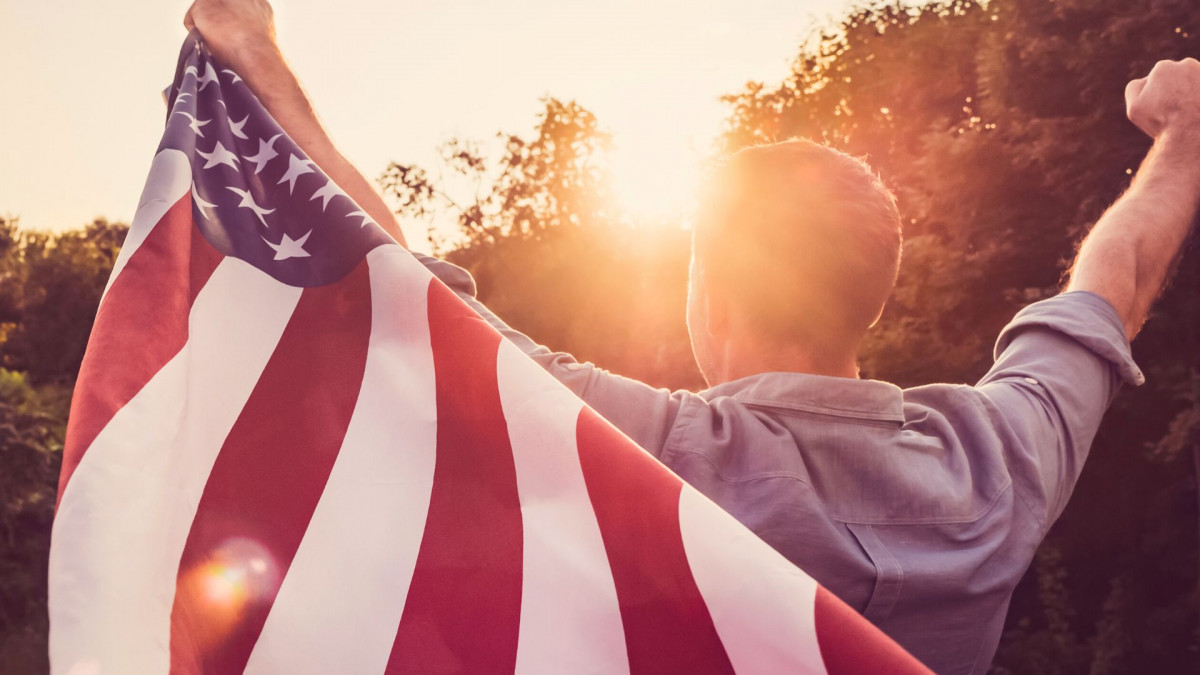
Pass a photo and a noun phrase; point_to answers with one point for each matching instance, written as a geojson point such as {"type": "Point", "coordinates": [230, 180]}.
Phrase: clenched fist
{"type": "Point", "coordinates": [1167, 101]}
{"type": "Point", "coordinates": [230, 27]}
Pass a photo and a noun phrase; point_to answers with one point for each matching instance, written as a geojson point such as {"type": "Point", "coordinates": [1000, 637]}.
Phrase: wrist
{"type": "Point", "coordinates": [1180, 143]}
{"type": "Point", "coordinates": [1178, 152]}
{"type": "Point", "coordinates": [246, 52]}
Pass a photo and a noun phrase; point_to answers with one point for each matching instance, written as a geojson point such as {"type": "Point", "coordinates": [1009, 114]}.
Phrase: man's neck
{"type": "Point", "coordinates": [794, 360]}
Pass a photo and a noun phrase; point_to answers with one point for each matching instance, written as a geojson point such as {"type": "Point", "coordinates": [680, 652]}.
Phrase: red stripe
{"type": "Point", "coordinates": [850, 644]}
{"type": "Point", "coordinates": [464, 604]}
{"type": "Point", "coordinates": [667, 625]}
{"type": "Point", "coordinates": [141, 324]}
{"type": "Point", "coordinates": [268, 477]}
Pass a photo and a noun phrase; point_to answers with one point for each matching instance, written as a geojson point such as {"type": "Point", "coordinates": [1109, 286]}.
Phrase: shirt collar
{"type": "Point", "coordinates": [819, 394]}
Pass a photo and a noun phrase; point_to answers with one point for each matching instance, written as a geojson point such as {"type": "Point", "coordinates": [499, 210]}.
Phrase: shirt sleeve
{"type": "Point", "coordinates": [1059, 364]}
{"type": "Point", "coordinates": [642, 412]}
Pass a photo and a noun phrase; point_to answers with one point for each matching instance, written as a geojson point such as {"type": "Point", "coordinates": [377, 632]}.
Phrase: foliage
{"type": "Point", "coordinates": [556, 178]}
{"type": "Point", "coordinates": [50, 286]}
{"type": "Point", "coordinates": [31, 434]}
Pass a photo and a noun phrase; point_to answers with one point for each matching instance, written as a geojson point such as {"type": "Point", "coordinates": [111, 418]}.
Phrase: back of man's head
{"type": "Point", "coordinates": [803, 240]}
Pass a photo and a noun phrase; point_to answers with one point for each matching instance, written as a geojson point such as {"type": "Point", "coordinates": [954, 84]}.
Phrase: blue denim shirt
{"type": "Point", "coordinates": [921, 508]}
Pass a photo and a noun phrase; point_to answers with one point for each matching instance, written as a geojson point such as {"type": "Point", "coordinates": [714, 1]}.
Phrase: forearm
{"type": "Point", "coordinates": [1129, 253]}
{"type": "Point", "coordinates": [264, 69]}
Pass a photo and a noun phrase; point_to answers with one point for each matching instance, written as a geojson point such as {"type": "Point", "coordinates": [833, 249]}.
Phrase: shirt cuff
{"type": "Point", "coordinates": [1085, 317]}
{"type": "Point", "coordinates": [458, 279]}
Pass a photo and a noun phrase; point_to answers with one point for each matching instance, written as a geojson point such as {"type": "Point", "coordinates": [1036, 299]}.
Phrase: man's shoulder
{"type": "Point", "coordinates": [867, 452]}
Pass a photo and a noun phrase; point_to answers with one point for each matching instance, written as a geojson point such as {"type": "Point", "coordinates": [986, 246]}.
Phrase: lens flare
{"type": "Point", "coordinates": [237, 574]}
{"type": "Point", "coordinates": [224, 585]}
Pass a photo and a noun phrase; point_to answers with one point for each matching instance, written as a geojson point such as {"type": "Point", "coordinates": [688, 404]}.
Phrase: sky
{"type": "Point", "coordinates": [82, 111]}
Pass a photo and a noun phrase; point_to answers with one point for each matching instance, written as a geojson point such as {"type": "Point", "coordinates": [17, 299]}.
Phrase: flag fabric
{"type": "Point", "coordinates": [292, 450]}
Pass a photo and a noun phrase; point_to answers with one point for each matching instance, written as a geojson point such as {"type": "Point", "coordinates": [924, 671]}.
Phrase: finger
{"type": "Point", "coordinates": [1161, 66]}
{"type": "Point", "coordinates": [1133, 90]}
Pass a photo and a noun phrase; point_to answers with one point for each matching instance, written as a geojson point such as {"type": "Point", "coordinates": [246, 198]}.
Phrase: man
{"type": "Point", "coordinates": [922, 508]}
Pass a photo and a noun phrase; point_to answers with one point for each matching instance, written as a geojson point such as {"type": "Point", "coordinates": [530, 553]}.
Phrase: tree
{"type": "Point", "coordinates": [559, 177]}
{"type": "Point", "coordinates": [587, 277]}
{"type": "Point", "coordinates": [49, 290]}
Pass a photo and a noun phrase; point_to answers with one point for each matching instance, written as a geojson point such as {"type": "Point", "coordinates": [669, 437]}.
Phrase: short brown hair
{"type": "Point", "coordinates": [804, 238]}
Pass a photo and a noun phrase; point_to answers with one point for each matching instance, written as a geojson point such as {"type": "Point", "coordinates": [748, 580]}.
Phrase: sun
{"type": "Point", "coordinates": [655, 182]}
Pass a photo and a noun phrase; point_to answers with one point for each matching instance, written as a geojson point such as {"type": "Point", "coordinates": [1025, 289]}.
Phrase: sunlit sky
{"type": "Point", "coordinates": [82, 114]}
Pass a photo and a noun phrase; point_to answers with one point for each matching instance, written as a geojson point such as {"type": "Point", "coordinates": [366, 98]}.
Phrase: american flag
{"type": "Point", "coordinates": [292, 450]}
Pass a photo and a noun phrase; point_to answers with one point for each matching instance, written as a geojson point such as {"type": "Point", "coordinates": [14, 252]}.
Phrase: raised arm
{"type": "Point", "coordinates": [1129, 253]}
{"type": "Point", "coordinates": [242, 34]}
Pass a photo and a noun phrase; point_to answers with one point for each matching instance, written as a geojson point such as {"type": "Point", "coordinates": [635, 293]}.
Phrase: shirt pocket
{"type": "Point", "coordinates": [889, 576]}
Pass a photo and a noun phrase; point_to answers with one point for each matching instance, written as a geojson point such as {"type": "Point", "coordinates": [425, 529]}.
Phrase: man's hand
{"type": "Point", "coordinates": [1128, 255]}
{"type": "Point", "coordinates": [242, 34]}
{"type": "Point", "coordinates": [1167, 101]}
{"type": "Point", "coordinates": [231, 27]}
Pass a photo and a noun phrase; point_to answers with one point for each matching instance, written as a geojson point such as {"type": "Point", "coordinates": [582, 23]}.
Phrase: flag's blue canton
{"type": "Point", "coordinates": [255, 194]}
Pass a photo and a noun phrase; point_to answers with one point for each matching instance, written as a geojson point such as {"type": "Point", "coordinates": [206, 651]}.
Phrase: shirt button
{"type": "Point", "coordinates": [1030, 380]}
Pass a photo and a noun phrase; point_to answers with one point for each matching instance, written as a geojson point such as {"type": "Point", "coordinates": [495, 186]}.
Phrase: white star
{"type": "Point", "coordinates": [326, 193]}
{"type": "Point", "coordinates": [191, 70]}
{"type": "Point", "coordinates": [361, 214]}
{"type": "Point", "coordinates": [200, 201]}
{"type": "Point", "coordinates": [232, 74]}
{"type": "Point", "coordinates": [236, 127]}
{"type": "Point", "coordinates": [210, 76]}
{"type": "Point", "coordinates": [248, 203]}
{"type": "Point", "coordinates": [180, 95]}
{"type": "Point", "coordinates": [219, 155]}
{"type": "Point", "coordinates": [195, 124]}
{"type": "Point", "coordinates": [290, 248]}
{"type": "Point", "coordinates": [266, 152]}
{"type": "Point", "coordinates": [296, 167]}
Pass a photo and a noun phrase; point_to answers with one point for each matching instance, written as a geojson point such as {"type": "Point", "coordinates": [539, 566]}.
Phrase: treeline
{"type": "Point", "coordinates": [1001, 128]}
{"type": "Point", "coordinates": [50, 285]}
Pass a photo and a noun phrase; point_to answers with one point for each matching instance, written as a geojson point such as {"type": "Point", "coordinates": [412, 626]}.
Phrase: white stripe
{"type": "Point", "coordinates": [340, 603]}
{"type": "Point", "coordinates": [125, 515]}
{"type": "Point", "coordinates": [570, 618]}
{"type": "Point", "coordinates": [761, 605]}
{"type": "Point", "coordinates": [170, 178]}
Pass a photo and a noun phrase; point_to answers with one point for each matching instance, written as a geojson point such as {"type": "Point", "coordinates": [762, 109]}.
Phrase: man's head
{"type": "Point", "coordinates": [795, 252]}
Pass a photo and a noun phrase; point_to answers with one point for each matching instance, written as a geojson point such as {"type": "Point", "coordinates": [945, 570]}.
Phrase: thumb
{"type": "Point", "coordinates": [1133, 90]}
{"type": "Point", "coordinates": [188, 22]}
